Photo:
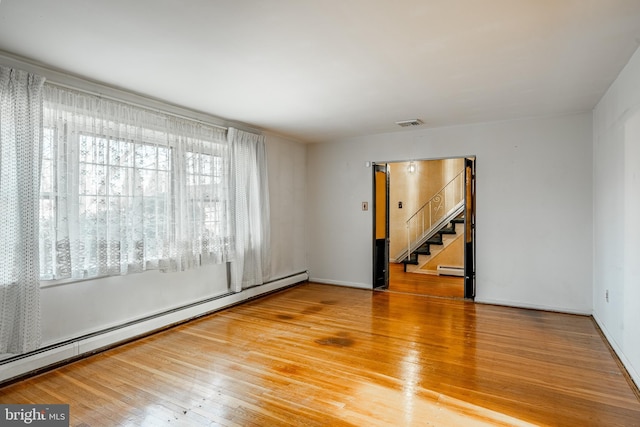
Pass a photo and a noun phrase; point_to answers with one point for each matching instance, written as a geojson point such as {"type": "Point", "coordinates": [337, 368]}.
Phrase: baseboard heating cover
{"type": "Point", "coordinates": [444, 270]}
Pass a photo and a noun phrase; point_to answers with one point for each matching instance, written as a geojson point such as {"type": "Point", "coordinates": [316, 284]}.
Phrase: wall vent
{"type": "Point", "coordinates": [407, 123]}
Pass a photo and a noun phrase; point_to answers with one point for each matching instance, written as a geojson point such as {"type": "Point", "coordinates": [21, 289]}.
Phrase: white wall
{"type": "Point", "coordinates": [616, 255]}
{"type": "Point", "coordinates": [286, 160]}
{"type": "Point", "coordinates": [534, 206]}
{"type": "Point", "coordinates": [74, 309]}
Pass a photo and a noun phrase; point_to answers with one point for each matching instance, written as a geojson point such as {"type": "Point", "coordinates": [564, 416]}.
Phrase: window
{"type": "Point", "coordinates": [125, 190]}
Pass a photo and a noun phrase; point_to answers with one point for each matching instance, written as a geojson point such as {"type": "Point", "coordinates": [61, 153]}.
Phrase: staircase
{"type": "Point", "coordinates": [434, 245]}
{"type": "Point", "coordinates": [433, 220]}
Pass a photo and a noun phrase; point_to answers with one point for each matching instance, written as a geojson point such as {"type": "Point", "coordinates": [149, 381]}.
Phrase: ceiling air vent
{"type": "Point", "coordinates": [408, 123]}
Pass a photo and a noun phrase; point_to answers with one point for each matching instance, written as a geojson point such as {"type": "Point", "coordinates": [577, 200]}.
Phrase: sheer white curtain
{"type": "Point", "coordinates": [126, 189]}
{"type": "Point", "coordinates": [250, 194]}
{"type": "Point", "coordinates": [20, 153]}
{"type": "Point", "coordinates": [201, 193]}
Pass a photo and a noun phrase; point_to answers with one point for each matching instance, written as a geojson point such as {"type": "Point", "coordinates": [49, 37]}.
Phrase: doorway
{"type": "Point", "coordinates": [424, 226]}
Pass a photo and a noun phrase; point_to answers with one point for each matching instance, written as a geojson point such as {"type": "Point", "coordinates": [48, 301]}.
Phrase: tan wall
{"type": "Point", "coordinates": [414, 190]}
{"type": "Point", "coordinates": [451, 256]}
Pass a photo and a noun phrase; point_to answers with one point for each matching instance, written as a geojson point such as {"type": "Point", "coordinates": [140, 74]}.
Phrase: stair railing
{"type": "Point", "coordinates": [423, 224]}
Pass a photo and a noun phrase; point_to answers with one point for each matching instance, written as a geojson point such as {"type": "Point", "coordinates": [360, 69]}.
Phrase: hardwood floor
{"type": "Point", "coordinates": [424, 284]}
{"type": "Point", "coordinates": [320, 355]}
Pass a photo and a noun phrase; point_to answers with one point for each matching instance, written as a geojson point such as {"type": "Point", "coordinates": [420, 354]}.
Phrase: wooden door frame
{"type": "Point", "coordinates": [470, 227]}
{"type": "Point", "coordinates": [380, 246]}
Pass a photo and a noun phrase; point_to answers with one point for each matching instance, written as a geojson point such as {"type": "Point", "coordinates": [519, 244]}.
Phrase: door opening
{"type": "Point", "coordinates": [426, 243]}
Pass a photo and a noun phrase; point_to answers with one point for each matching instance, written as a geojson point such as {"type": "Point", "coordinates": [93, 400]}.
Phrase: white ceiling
{"type": "Point", "coordinates": [318, 70]}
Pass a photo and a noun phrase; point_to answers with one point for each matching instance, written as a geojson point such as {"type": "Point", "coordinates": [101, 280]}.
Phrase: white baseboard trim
{"type": "Point", "coordinates": [341, 283]}
{"type": "Point", "coordinates": [86, 345]}
{"type": "Point", "coordinates": [517, 304]}
{"type": "Point", "coordinates": [633, 373]}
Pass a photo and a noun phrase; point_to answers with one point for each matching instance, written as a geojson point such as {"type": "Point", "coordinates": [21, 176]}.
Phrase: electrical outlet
{"type": "Point", "coordinates": [606, 295]}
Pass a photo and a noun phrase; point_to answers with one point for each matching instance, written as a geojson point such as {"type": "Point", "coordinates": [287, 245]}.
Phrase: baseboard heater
{"type": "Point", "coordinates": [444, 270]}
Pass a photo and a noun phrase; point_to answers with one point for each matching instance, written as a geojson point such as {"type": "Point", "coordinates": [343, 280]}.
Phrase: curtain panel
{"type": "Point", "coordinates": [250, 202]}
{"type": "Point", "coordinates": [20, 156]}
{"type": "Point", "coordinates": [125, 189]}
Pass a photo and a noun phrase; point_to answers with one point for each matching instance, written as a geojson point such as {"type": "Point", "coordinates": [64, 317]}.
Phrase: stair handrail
{"type": "Point", "coordinates": [434, 195]}
{"type": "Point", "coordinates": [437, 197]}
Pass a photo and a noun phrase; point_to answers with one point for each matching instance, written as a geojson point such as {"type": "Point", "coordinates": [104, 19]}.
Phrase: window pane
{"type": "Point", "coordinates": [121, 153]}
{"type": "Point", "coordinates": [118, 181]}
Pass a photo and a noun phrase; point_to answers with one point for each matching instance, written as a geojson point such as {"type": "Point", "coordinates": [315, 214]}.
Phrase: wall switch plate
{"type": "Point", "coordinates": [365, 206]}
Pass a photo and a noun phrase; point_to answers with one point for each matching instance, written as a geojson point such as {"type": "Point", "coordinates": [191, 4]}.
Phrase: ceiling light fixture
{"type": "Point", "coordinates": [412, 167]}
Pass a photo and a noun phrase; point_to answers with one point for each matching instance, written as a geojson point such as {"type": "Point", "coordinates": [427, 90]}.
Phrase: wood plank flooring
{"type": "Point", "coordinates": [424, 284]}
{"type": "Point", "coordinates": [320, 355]}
